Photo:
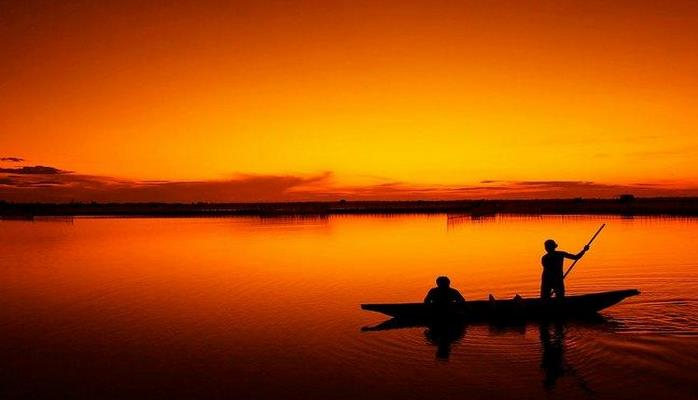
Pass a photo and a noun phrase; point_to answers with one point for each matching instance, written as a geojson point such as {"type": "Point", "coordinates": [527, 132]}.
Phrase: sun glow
{"type": "Point", "coordinates": [391, 93]}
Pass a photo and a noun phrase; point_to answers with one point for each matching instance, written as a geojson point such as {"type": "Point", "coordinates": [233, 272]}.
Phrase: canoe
{"type": "Point", "coordinates": [520, 309]}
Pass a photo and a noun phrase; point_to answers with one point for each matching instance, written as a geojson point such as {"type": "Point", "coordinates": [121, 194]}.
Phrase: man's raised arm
{"type": "Point", "coordinates": [576, 256]}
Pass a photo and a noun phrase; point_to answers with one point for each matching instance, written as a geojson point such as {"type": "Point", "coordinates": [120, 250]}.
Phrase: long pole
{"type": "Point", "coordinates": [588, 244]}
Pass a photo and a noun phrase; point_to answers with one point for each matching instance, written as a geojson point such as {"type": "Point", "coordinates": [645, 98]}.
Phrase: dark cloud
{"type": "Point", "coordinates": [540, 189]}
{"type": "Point", "coordinates": [500, 190]}
{"type": "Point", "coordinates": [33, 170]}
{"type": "Point", "coordinates": [551, 183]}
{"type": "Point", "coordinates": [53, 185]}
{"type": "Point", "coordinates": [11, 159]}
{"type": "Point", "coordinates": [76, 187]}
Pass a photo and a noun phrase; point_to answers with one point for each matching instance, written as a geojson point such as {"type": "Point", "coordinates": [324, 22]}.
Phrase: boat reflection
{"type": "Point", "coordinates": [552, 335]}
{"type": "Point", "coordinates": [442, 334]}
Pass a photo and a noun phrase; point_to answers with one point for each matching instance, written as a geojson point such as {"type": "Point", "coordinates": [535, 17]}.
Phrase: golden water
{"type": "Point", "coordinates": [269, 308]}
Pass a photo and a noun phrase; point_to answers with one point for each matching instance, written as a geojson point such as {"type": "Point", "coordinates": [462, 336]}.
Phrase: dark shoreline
{"type": "Point", "coordinates": [627, 206]}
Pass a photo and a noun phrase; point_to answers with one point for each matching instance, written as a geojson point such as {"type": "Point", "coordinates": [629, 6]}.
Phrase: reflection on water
{"type": "Point", "coordinates": [269, 308]}
{"type": "Point", "coordinates": [553, 345]}
{"type": "Point", "coordinates": [293, 220]}
{"type": "Point", "coordinates": [554, 365]}
{"type": "Point", "coordinates": [443, 335]}
{"type": "Point", "coordinates": [553, 360]}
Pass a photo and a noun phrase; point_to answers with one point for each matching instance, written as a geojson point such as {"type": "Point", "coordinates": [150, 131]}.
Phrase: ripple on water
{"type": "Point", "coordinates": [587, 359]}
{"type": "Point", "coordinates": [675, 317]}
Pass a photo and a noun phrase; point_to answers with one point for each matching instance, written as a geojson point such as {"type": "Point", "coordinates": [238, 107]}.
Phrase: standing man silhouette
{"type": "Point", "coordinates": [552, 279]}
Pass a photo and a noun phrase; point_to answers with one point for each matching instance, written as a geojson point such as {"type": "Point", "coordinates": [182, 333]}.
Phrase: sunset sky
{"type": "Point", "coordinates": [322, 100]}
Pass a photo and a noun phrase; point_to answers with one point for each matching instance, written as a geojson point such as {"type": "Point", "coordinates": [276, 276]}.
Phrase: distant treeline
{"type": "Point", "coordinates": [624, 205]}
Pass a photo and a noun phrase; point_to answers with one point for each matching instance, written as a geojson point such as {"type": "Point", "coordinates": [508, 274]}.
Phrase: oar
{"type": "Point", "coordinates": [588, 244]}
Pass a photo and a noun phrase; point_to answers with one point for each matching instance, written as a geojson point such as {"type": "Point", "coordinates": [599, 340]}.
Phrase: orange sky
{"type": "Point", "coordinates": [276, 100]}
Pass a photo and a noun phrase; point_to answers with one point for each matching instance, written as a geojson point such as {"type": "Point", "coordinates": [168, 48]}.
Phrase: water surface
{"type": "Point", "coordinates": [257, 308]}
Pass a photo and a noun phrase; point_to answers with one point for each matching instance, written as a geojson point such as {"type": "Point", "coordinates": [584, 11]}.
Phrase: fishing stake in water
{"type": "Point", "coordinates": [588, 244]}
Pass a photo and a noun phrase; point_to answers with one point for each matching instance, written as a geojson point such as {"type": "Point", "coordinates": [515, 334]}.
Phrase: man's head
{"type": "Point", "coordinates": [443, 282]}
{"type": "Point", "coordinates": [550, 245]}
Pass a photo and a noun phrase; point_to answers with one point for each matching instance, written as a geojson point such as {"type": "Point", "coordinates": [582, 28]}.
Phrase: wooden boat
{"type": "Point", "coordinates": [514, 309]}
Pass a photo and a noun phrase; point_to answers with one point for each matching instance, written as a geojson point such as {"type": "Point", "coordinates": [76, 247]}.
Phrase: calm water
{"type": "Point", "coordinates": [252, 308]}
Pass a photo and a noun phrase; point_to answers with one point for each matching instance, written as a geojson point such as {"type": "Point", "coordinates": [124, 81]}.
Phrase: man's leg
{"type": "Point", "coordinates": [560, 290]}
{"type": "Point", "coordinates": [544, 290]}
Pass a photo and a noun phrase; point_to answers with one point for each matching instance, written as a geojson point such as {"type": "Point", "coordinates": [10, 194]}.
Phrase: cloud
{"type": "Point", "coordinates": [493, 189]}
{"type": "Point", "coordinates": [50, 184]}
{"type": "Point", "coordinates": [66, 187]}
{"type": "Point", "coordinates": [11, 159]}
{"type": "Point", "coordinates": [33, 170]}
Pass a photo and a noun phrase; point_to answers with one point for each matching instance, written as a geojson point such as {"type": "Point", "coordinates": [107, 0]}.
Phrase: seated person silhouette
{"type": "Point", "coordinates": [443, 293]}
{"type": "Point", "coordinates": [553, 279]}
